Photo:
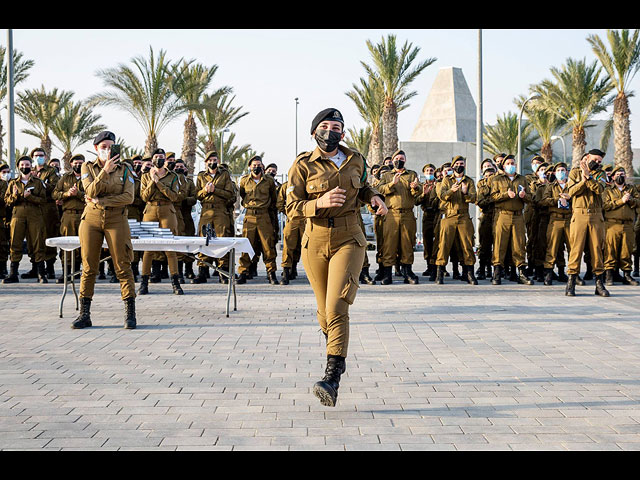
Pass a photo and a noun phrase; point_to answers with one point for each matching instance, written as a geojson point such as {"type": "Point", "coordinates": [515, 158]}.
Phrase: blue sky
{"type": "Point", "coordinates": [269, 68]}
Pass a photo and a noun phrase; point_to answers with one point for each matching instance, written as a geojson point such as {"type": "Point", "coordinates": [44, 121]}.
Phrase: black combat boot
{"type": "Point", "coordinates": [114, 277]}
{"type": "Point", "coordinates": [456, 272]}
{"type": "Point", "coordinates": [627, 279]}
{"type": "Point", "coordinates": [439, 275]}
{"type": "Point", "coordinates": [242, 278]}
{"type": "Point", "coordinates": [409, 276]}
{"type": "Point", "coordinates": [538, 273]}
{"type": "Point", "coordinates": [51, 270]}
{"type": "Point", "coordinates": [397, 272]}
{"type": "Point", "coordinates": [253, 270]}
{"type": "Point", "coordinates": [3, 270]}
{"type": "Point", "coordinates": [327, 388]}
{"type": "Point", "coordinates": [387, 278]}
{"type": "Point", "coordinates": [562, 277]}
{"type": "Point", "coordinates": [188, 271]}
{"type": "Point", "coordinates": [379, 273]}
{"type": "Point", "coordinates": [579, 281]}
{"type": "Point", "coordinates": [84, 318]}
{"type": "Point", "coordinates": [286, 275]}
{"type": "Point", "coordinates": [101, 275]}
{"type": "Point", "coordinates": [433, 273]}
{"type": "Point", "coordinates": [222, 279]}
{"type": "Point", "coordinates": [616, 276]}
{"type": "Point", "coordinates": [636, 263]}
{"type": "Point", "coordinates": [548, 277]}
{"type": "Point", "coordinates": [136, 271]}
{"type": "Point", "coordinates": [522, 277]}
{"type": "Point", "coordinates": [570, 290]}
{"type": "Point", "coordinates": [201, 277]}
{"type": "Point", "coordinates": [600, 289]}
{"type": "Point", "coordinates": [497, 275]}
{"type": "Point", "coordinates": [42, 273]}
{"type": "Point", "coordinates": [365, 277]}
{"type": "Point", "coordinates": [608, 277]}
{"type": "Point", "coordinates": [294, 271]}
{"type": "Point", "coordinates": [13, 274]}
{"type": "Point", "coordinates": [271, 278]}
{"type": "Point", "coordinates": [175, 283]}
{"type": "Point", "coordinates": [468, 274]}
{"type": "Point", "coordinates": [33, 273]}
{"type": "Point", "coordinates": [156, 276]}
{"type": "Point", "coordinates": [130, 313]}
{"type": "Point", "coordinates": [164, 270]}
{"type": "Point", "coordinates": [489, 271]}
{"type": "Point", "coordinates": [181, 272]}
{"type": "Point", "coordinates": [513, 274]}
{"type": "Point", "coordinates": [427, 271]}
{"type": "Point", "coordinates": [144, 285]}
{"type": "Point", "coordinates": [588, 275]}
{"type": "Point", "coordinates": [481, 272]}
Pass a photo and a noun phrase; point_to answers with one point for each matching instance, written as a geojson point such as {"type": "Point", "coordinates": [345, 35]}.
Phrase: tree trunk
{"type": "Point", "coordinates": [2, 143]}
{"type": "Point", "coordinates": [150, 145]}
{"type": "Point", "coordinates": [66, 161]}
{"type": "Point", "coordinates": [578, 145]}
{"type": "Point", "coordinates": [210, 145]}
{"type": "Point", "coordinates": [45, 143]}
{"type": "Point", "coordinates": [623, 155]}
{"type": "Point", "coordinates": [389, 128]}
{"type": "Point", "coordinates": [374, 156]}
{"type": "Point", "coordinates": [189, 142]}
{"type": "Point", "coordinates": [546, 152]}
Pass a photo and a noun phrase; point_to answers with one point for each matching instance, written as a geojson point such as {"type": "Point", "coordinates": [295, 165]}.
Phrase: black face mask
{"type": "Point", "coordinates": [137, 168]}
{"type": "Point", "coordinates": [77, 168]}
{"type": "Point", "coordinates": [257, 170]}
{"type": "Point", "coordinates": [25, 170]}
{"type": "Point", "coordinates": [551, 177]}
{"type": "Point", "coordinates": [212, 166]}
{"type": "Point", "coordinates": [158, 162]}
{"type": "Point", "coordinates": [145, 169]}
{"type": "Point", "coordinates": [327, 140]}
{"type": "Point", "coordinates": [171, 166]}
{"type": "Point", "coordinates": [593, 165]}
{"type": "Point", "coordinates": [398, 164]}
{"type": "Point", "coordinates": [272, 174]}
{"type": "Point", "coordinates": [620, 180]}
{"type": "Point", "coordinates": [459, 169]}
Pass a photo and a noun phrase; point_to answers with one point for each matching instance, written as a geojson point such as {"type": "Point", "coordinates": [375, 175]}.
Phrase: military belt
{"type": "Point", "coordinates": [511, 212]}
{"type": "Point", "coordinates": [256, 211]}
{"type": "Point", "coordinates": [159, 203]}
{"type": "Point", "coordinates": [335, 221]}
{"type": "Point", "coordinates": [616, 220]}
{"type": "Point", "coordinates": [73, 210]}
{"type": "Point", "coordinates": [586, 211]}
{"type": "Point", "coordinates": [560, 216]}
{"type": "Point", "coordinates": [401, 210]}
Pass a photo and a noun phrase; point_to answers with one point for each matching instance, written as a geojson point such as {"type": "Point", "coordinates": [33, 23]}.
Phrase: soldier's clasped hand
{"type": "Point", "coordinates": [333, 198]}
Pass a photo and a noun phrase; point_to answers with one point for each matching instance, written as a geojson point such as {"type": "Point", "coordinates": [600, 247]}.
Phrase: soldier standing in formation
{"type": "Point", "coordinates": [291, 238]}
{"type": "Point", "coordinates": [485, 226]}
{"type": "Point", "coordinates": [5, 219]}
{"type": "Point", "coordinates": [428, 201]}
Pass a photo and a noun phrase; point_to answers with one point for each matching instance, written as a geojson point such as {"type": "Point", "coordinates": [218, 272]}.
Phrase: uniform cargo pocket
{"type": "Point", "coordinates": [355, 181]}
{"type": "Point", "coordinates": [305, 240]}
{"type": "Point", "coordinates": [350, 290]}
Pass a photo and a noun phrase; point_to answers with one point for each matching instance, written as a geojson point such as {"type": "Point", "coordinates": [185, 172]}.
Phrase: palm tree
{"type": "Point", "coordinates": [577, 94]}
{"type": "Point", "coordinates": [218, 115]}
{"type": "Point", "coordinates": [20, 69]}
{"type": "Point", "coordinates": [40, 109]}
{"type": "Point", "coordinates": [503, 136]}
{"type": "Point", "coordinates": [359, 140]}
{"type": "Point", "coordinates": [75, 125]}
{"type": "Point", "coordinates": [146, 91]}
{"type": "Point", "coordinates": [192, 80]}
{"type": "Point", "coordinates": [369, 100]}
{"type": "Point", "coordinates": [545, 123]}
{"type": "Point", "coordinates": [621, 64]}
{"type": "Point", "coordinates": [392, 70]}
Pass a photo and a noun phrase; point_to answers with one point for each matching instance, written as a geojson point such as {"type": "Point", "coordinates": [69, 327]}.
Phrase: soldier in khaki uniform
{"type": "Point", "coordinates": [186, 206]}
{"type": "Point", "coordinates": [401, 189]}
{"type": "Point", "coordinates": [258, 193]}
{"type": "Point", "coordinates": [455, 194]}
{"type": "Point", "coordinates": [291, 237]}
{"type": "Point", "coordinates": [586, 184]}
{"type": "Point", "coordinates": [214, 191]}
{"type": "Point", "coordinates": [531, 215]}
{"type": "Point", "coordinates": [326, 186]}
{"type": "Point", "coordinates": [620, 201]}
{"type": "Point", "coordinates": [541, 217]}
{"type": "Point", "coordinates": [70, 191]}
{"type": "Point", "coordinates": [183, 187]}
{"type": "Point", "coordinates": [509, 192]}
{"type": "Point", "coordinates": [5, 219]}
{"type": "Point", "coordinates": [135, 210]}
{"type": "Point", "coordinates": [26, 195]}
{"type": "Point", "coordinates": [108, 187]}
{"type": "Point", "coordinates": [428, 202]}
{"type": "Point", "coordinates": [636, 251]}
{"type": "Point", "coordinates": [160, 189]}
{"type": "Point", "coordinates": [485, 225]}
{"type": "Point", "coordinates": [378, 221]}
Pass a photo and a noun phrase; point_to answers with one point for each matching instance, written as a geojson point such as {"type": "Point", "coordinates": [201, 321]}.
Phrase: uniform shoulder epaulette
{"type": "Point", "coordinates": [302, 155]}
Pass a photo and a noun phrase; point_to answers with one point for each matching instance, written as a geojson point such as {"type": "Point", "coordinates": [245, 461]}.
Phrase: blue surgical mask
{"type": "Point", "coordinates": [430, 177]}
{"type": "Point", "coordinates": [39, 160]}
{"type": "Point", "coordinates": [541, 175]}
{"type": "Point", "coordinates": [562, 176]}
{"type": "Point", "coordinates": [510, 169]}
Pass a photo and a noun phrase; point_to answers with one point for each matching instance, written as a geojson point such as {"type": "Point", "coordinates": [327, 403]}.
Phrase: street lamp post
{"type": "Point", "coordinates": [11, 149]}
{"type": "Point", "coordinates": [531, 97]}
{"type": "Point", "coordinates": [564, 148]}
{"type": "Point", "coordinates": [479, 122]}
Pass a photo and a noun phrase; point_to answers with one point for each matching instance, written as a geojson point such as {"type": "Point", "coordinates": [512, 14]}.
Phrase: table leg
{"type": "Point", "coordinates": [73, 279]}
{"type": "Point", "coordinates": [66, 281]}
{"type": "Point", "coordinates": [230, 284]}
{"type": "Point", "coordinates": [233, 277]}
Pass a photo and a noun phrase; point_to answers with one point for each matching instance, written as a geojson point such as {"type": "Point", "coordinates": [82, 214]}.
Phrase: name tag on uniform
{"type": "Point", "coordinates": [84, 176]}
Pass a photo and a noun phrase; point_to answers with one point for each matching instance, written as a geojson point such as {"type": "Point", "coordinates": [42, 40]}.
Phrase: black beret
{"type": "Point", "coordinates": [158, 151]}
{"type": "Point", "coordinates": [136, 157]}
{"type": "Point", "coordinates": [77, 156]}
{"type": "Point", "coordinates": [24, 157]}
{"type": "Point", "coordinates": [509, 157]}
{"type": "Point", "coordinates": [326, 114]}
{"type": "Point", "coordinates": [179, 160]}
{"type": "Point", "coordinates": [104, 135]}
{"type": "Point", "coordinates": [255, 157]}
{"type": "Point", "coordinates": [595, 151]}
{"type": "Point", "coordinates": [210, 154]}
{"type": "Point", "coordinates": [271, 165]}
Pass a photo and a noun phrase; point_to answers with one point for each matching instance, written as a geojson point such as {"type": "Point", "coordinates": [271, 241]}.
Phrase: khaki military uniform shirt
{"type": "Point", "coordinates": [115, 189]}
{"type": "Point", "coordinates": [75, 202]}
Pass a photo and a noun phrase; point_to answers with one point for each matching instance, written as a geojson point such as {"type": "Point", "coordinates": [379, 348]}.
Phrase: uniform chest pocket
{"type": "Point", "coordinates": [317, 186]}
{"type": "Point", "coordinates": [355, 182]}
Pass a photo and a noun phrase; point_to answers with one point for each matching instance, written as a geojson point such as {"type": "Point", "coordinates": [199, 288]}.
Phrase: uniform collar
{"type": "Point", "coordinates": [317, 155]}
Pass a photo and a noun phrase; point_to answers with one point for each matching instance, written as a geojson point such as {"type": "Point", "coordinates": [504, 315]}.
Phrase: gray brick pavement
{"type": "Point", "coordinates": [430, 367]}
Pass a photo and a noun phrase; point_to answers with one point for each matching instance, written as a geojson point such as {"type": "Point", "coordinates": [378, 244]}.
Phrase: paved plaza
{"type": "Point", "coordinates": [430, 367]}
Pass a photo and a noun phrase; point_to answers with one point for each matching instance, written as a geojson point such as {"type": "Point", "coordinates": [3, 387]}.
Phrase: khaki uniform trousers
{"type": "Point", "coordinates": [69, 227]}
{"type": "Point", "coordinates": [485, 237]}
{"type": "Point", "coordinates": [458, 226]}
{"type": "Point", "coordinates": [332, 258]}
{"type": "Point", "coordinates": [292, 242]}
{"type": "Point", "coordinates": [27, 222]}
{"type": "Point", "coordinates": [96, 226]}
{"type": "Point", "coordinates": [378, 227]}
{"type": "Point", "coordinates": [618, 245]}
{"type": "Point", "coordinates": [509, 230]}
{"type": "Point", "coordinates": [587, 230]}
{"type": "Point", "coordinates": [165, 215]}
{"type": "Point", "coordinates": [52, 224]}
{"type": "Point", "coordinates": [540, 241]}
{"type": "Point", "coordinates": [222, 226]}
{"type": "Point", "coordinates": [558, 234]}
{"type": "Point", "coordinates": [258, 228]}
{"type": "Point", "coordinates": [428, 236]}
{"type": "Point", "coordinates": [399, 237]}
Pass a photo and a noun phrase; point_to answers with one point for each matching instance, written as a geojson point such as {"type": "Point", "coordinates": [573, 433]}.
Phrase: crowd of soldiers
{"type": "Point", "coordinates": [526, 226]}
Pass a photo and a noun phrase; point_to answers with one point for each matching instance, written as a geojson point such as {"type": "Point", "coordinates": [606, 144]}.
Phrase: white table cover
{"type": "Point", "coordinates": [218, 247]}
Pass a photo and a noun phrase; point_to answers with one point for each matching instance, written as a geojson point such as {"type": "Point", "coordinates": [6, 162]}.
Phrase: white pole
{"type": "Point", "coordinates": [11, 148]}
